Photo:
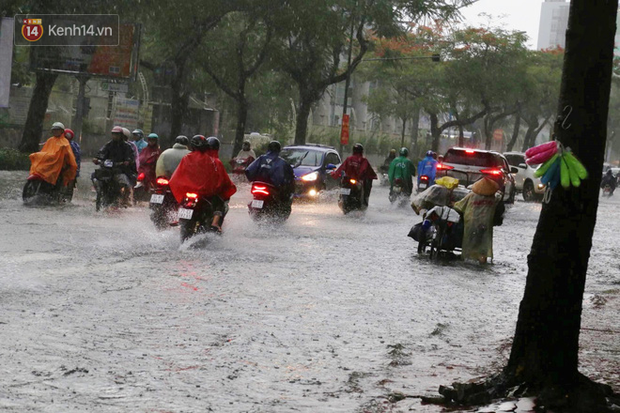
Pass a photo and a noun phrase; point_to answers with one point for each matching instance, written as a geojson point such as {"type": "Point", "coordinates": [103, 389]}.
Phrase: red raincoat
{"type": "Point", "coordinates": [201, 174]}
{"type": "Point", "coordinates": [356, 167]}
{"type": "Point", "coordinates": [147, 161]}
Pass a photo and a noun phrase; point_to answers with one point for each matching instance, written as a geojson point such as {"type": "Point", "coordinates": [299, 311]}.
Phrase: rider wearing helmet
{"type": "Point", "coordinates": [148, 159]}
{"type": "Point", "coordinates": [75, 147]}
{"type": "Point", "coordinates": [138, 137]}
{"type": "Point", "coordinates": [428, 167]}
{"type": "Point", "coordinates": [170, 158]}
{"type": "Point", "coordinates": [357, 167]}
{"type": "Point", "coordinates": [386, 163]}
{"type": "Point", "coordinates": [214, 147]}
{"type": "Point", "coordinates": [121, 153]}
{"type": "Point", "coordinates": [55, 159]}
{"type": "Point", "coordinates": [136, 153]}
{"type": "Point", "coordinates": [200, 173]}
{"type": "Point", "coordinates": [272, 169]}
{"type": "Point", "coordinates": [402, 168]}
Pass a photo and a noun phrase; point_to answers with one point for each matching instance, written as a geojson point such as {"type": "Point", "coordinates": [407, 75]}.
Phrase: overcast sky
{"type": "Point", "coordinates": [521, 15]}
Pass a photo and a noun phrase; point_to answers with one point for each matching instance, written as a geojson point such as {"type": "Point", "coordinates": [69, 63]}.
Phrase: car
{"type": "Point", "coordinates": [529, 185]}
{"type": "Point", "coordinates": [469, 165]}
{"type": "Point", "coordinates": [312, 164]}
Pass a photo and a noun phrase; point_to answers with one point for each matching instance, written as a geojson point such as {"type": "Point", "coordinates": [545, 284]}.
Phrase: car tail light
{"type": "Point", "coordinates": [162, 181]}
{"type": "Point", "coordinates": [444, 167]}
{"type": "Point", "coordinates": [353, 181]}
{"type": "Point", "coordinates": [259, 189]}
{"type": "Point", "coordinates": [493, 171]}
{"type": "Point", "coordinates": [191, 195]}
{"type": "Point", "coordinates": [141, 176]}
{"type": "Point", "coordinates": [470, 151]}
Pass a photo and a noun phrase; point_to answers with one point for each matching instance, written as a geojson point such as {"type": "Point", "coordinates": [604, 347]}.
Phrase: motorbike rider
{"type": "Point", "coordinates": [402, 168]}
{"type": "Point", "coordinates": [272, 169]}
{"type": "Point", "coordinates": [138, 137]}
{"type": "Point", "coordinates": [428, 167]}
{"type": "Point", "coordinates": [136, 153]}
{"type": "Point", "coordinates": [610, 180]}
{"type": "Point", "coordinates": [214, 147]}
{"type": "Point", "coordinates": [148, 158]}
{"type": "Point", "coordinates": [357, 167]}
{"type": "Point", "coordinates": [55, 159]}
{"type": "Point", "coordinates": [200, 173]}
{"type": "Point", "coordinates": [246, 152]}
{"type": "Point", "coordinates": [75, 147]}
{"type": "Point", "coordinates": [119, 152]}
{"type": "Point", "coordinates": [388, 161]}
{"type": "Point", "coordinates": [170, 158]}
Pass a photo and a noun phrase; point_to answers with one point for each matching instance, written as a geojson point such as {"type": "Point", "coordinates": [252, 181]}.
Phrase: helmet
{"type": "Point", "coordinates": [126, 133]}
{"type": "Point", "coordinates": [152, 136]}
{"type": "Point", "coordinates": [392, 151]}
{"type": "Point", "coordinates": [358, 148]}
{"type": "Point", "coordinates": [58, 125]}
{"type": "Point", "coordinates": [69, 134]}
{"type": "Point", "coordinates": [117, 129]}
{"type": "Point", "coordinates": [274, 146]}
{"type": "Point", "coordinates": [214, 143]}
{"type": "Point", "coordinates": [403, 152]}
{"type": "Point", "coordinates": [430, 153]}
{"type": "Point", "coordinates": [138, 132]}
{"type": "Point", "coordinates": [182, 140]}
{"type": "Point", "coordinates": [199, 143]}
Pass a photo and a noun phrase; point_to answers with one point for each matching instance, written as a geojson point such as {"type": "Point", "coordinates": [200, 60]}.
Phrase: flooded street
{"type": "Point", "coordinates": [326, 313]}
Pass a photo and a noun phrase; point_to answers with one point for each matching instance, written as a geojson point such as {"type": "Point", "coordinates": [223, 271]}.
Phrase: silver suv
{"type": "Point", "coordinates": [526, 183]}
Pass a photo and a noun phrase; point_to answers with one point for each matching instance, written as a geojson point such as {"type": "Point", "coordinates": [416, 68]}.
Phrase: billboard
{"type": "Point", "coordinates": [120, 62]}
{"type": "Point", "coordinates": [6, 58]}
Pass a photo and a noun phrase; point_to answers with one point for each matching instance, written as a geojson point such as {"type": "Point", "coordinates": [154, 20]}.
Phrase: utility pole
{"type": "Point", "coordinates": [81, 103]}
{"type": "Point", "coordinates": [344, 131]}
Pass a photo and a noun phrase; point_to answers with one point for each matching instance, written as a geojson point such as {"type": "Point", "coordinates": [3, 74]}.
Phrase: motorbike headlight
{"type": "Point", "coordinates": [310, 177]}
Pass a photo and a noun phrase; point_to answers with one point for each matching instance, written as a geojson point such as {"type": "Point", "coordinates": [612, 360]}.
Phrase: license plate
{"type": "Point", "coordinates": [157, 199]}
{"type": "Point", "coordinates": [397, 190]}
{"type": "Point", "coordinates": [257, 203]}
{"type": "Point", "coordinates": [345, 191]}
{"type": "Point", "coordinates": [185, 213]}
{"type": "Point", "coordinates": [422, 185]}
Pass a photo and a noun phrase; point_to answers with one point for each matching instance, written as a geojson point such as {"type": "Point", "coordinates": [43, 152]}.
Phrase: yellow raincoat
{"type": "Point", "coordinates": [478, 209]}
{"type": "Point", "coordinates": [55, 159]}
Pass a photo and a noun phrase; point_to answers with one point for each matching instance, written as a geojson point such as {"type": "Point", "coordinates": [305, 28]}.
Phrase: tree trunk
{"type": "Point", "coordinates": [179, 108]}
{"type": "Point", "coordinates": [546, 343]}
{"type": "Point", "coordinates": [301, 124]}
{"type": "Point", "coordinates": [36, 112]}
{"type": "Point", "coordinates": [488, 133]}
{"type": "Point", "coordinates": [530, 137]}
{"type": "Point", "coordinates": [415, 121]}
{"type": "Point", "coordinates": [461, 136]}
{"type": "Point", "coordinates": [402, 134]}
{"type": "Point", "coordinates": [242, 116]}
{"type": "Point", "coordinates": [515, 133]}
{"type": "Point", "coordinates": [435, 131]}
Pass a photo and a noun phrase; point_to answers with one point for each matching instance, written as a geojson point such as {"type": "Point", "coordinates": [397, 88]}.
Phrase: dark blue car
{"type": "Point", "coordinates": [312, 165]}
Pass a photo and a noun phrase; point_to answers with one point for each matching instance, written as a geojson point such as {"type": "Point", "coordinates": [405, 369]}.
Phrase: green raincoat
{"type": "Point", "coordinates": [402, 168]}
{"type": "Point", "coordinates": [478, 211]}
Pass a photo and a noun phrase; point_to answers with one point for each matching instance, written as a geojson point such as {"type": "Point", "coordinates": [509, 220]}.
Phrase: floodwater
{"type": "Point", "coordinates": [99, 312]}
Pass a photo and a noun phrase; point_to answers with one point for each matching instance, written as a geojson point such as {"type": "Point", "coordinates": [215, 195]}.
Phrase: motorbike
{"type": "Point", "coordinates": [398, 192]}
{"type": "Point", "coordinates": [351, 195]}
{"type": "Point", "coordinates": [37, 190]}
{"type": "Point", "coordinates": [607, 190]}
{"type": "Point", "coordinates": [238, 167]}
{"type": "Point", "coordinates": [163, 205]}
{"type": "Point", "coordinates": [109, 191]}
{"type": "Point", "coordinates": [195, 215]}
{"type": "Point", "coordinates": [267, 203]}
{"type": "Point", "coordinates": [423, 183]}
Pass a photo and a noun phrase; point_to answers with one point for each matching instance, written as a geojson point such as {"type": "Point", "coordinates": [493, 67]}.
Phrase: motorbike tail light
{"type": "Point", "coordinates": [424, 178]}
{"type": "Point", "coordinates": [191, 195]}
{"type": "Point", "coordinates": [162, 181]}
{"type": "Point", "coordinates": [493, 171]}
{"type": "Point", "coordinates": [444, 167]}
{"type": "Point", "coordinates": [259, 189]}
{"type": "Point", "coordinates": [141, 176]}
{"type": "Point", "coordinates": [353, 181]}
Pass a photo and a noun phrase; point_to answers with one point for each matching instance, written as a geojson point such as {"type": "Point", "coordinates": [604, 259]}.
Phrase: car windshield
{"type": "Point", "coordinates": [461, 157]}
{"type": "Point", "coordinates": [301, 157]}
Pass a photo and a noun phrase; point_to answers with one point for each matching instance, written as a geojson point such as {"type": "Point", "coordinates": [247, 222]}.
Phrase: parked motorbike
{"type": "Point", "coordinates": [109, 192]}
{"type": "Point", "coordinates": [398, 192]}
{"type": "Point", "coordinates": [267, 203]}
{"type": "Point", "coordinates": [351, 195]}
{"type": "Point", "coordinates": [163, 205]}
{"type": "Point", "coordinates": [195, 215]}
{"type": "Point", "coordinates": [37, 190]}
{"type": "Point", "coordinates": [423, 183]}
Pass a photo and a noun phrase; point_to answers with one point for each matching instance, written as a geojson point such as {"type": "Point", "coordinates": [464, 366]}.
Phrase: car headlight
{"type": "Point", "coordinates": [310, 177]}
